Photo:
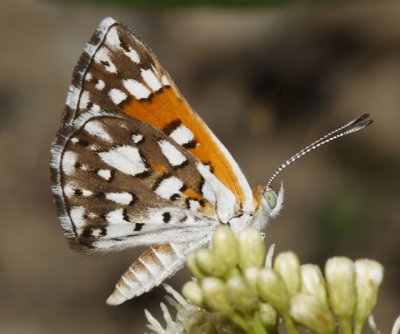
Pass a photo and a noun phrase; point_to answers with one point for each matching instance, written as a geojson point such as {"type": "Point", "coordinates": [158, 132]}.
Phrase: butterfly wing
{"type": "Point", "coordinates": [132, 164]}
{"type": "Point", "coordinates": [118, 73]}
{"type": "Point", "coordinates": [122, 183]}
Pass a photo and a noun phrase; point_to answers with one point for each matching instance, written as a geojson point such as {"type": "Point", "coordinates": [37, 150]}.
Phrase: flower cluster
{"type": "Point", "coordinates": [235, 280]}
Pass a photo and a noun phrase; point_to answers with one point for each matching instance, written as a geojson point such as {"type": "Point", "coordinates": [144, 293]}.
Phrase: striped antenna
{"type": "Point", "coordinates": [355, 125]}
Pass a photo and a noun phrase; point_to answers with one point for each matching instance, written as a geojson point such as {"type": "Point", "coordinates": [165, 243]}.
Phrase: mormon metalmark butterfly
{"type": "Point", "coordinates": [133, 164]}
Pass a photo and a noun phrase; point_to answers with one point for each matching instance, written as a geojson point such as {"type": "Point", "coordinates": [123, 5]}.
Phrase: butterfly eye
{"type": "Point", "coordinates": [271, 198]}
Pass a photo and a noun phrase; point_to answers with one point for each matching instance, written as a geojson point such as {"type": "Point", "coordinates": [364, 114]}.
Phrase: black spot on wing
{"type": "Point", "coordinates": [143, 175]}
{"type": "Point", "coordinates": [125, 215]}
{"type": "Point", "coordinates": [134, 199]}
{"type": "Point", "coordinates": [183, 164]}
{"type": "Point", "coordinates": [166, 217]}
{"type": "Point", "coordinates": [138, 227]}
{"type": "Point", "coordinates": [190, 144]}
{"type": "Point", "coordinates": [174, 197]}
{"type": "Point", "coordinates": [172, 126]}
{"type": "Point", "coordinates": [103, 232]}
{"type": "Point", "coordinates": [78, 192]}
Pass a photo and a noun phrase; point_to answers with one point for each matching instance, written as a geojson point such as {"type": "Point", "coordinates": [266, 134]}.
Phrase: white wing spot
{"type": "Point", "coordinates": [68, 162]}
{"type": "Point", "coordinates": [194, 205]}
{"type": "Point", "coordinates": [126, 159]}
{"type": "Point", "coordinates": [69, 191]}
{"type": "Point", "coordinates": [97, 129]}
{"type": "Point", "coordinates": [151, 79]}
{"type": "Point", "coordinates": [137, 89]}
{"type": "Point", "coordinates": [86, 193]}
{"type": "Point", "coordinates": [74, 140]}
{"type": "Point", "coordinates": [104, 173]}
{"type": "Point", "coordinates": [137, 138]}
{"type": "Point", "coordinates": [95, 108]}
{"type": "Point", "coordinates": [85, 99]}
{"type": "Point", "coordinates": [133, 55]}
{"type": "Point", "coordinates": [116, 217]}
{"type": "Point", "coordinates": [182, 135]}
{"type": "Point", "coordinates": [117, 96]}
{"type": "Point", "coordinates": [100, 85]}
{"type": "Point", "coordinates": [169, 187]}
{"type": "Point", "coordinates": [97, 232]}
{"type": "Point", "coordinates": [174, 156]}
{"type": "Point", "coordinates": [217, 193]}
{"type": "Point", "coordinates": [165, 81]}
{"type": "Point", "coordinates": [103, 56]}
{"type": "Point", "coordinates": [208, 193]}
{"type": "Point", "coordinates": [123, 198]}
{"type": "Point", "coordinates": [112, 39]}
{"type": "Point", "coordinates": [77, 213]}
{"type": "Point", "coordinates": [89, 77]}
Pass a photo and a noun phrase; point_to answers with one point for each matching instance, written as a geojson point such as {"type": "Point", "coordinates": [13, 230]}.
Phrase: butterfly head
{"type": "Point", "coordinates": [271, 201]}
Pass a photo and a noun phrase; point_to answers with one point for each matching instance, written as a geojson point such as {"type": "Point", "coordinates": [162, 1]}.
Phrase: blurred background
{"type": "Point", "coordinates": [267, 79]}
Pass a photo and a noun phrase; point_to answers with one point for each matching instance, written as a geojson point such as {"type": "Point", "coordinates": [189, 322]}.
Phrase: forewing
{"type": "Point", "coordinates": [119, 183]}
{"type": "Point", "coordinates": [119, 74]}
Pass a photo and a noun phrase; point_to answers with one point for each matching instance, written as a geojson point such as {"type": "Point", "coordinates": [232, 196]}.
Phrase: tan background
{"type": "Point", "coordinates": [267, 81]}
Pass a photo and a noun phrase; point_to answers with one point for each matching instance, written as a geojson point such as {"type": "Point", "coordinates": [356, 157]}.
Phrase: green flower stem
{"type": "Point", "coordinates": [358, 326]}
{"type": "Point", "coordinates": [289, 324]}
{"type": "Point", "coordinates": [238, 320]}
{"type": "Point", "coordinates": [250, 325]}
{"type": "Point", "coordinates": [345, 326]}
{"type": "Point", "coordinates": [256, 326]}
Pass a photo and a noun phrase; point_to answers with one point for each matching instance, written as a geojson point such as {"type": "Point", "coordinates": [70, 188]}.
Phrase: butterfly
{"type": "Point", "coordinates": [133, 165]}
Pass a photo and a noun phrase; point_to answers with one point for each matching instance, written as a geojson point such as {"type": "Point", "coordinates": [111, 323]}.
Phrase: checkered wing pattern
{"type": "Point", "coordinates": [132, 164]}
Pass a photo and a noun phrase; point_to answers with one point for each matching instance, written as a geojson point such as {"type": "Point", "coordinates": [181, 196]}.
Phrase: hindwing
{"type": "Point", "coordinates": [124, 183]}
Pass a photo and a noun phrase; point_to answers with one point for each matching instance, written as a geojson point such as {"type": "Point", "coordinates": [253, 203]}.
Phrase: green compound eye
{"type": "Point", "coordinates": [271, 198]}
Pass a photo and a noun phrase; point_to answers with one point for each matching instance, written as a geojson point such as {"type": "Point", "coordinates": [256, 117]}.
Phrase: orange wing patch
{"type": "Point", "coordinates": [165, 107]}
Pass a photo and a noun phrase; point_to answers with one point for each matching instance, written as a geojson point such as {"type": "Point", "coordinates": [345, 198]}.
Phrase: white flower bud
{"type": "Point", "coordinates": [272, 289]}
{"type": "Point", "coordinates": [193, 293]}
{"type": "Point", "coordinates": [313, 283]}
{"type": "Point", "coordinates": [308, 311]}
{"type": "Point", "coordinates": [269, 317]}
{"type": "Point", "coordinates": [287, 264]}
{"type": "Point", "coordinates": [241, 295]}
{"type": "Point", "coordinates": [225, 246]}
{"type": "Point", "coordinates": [251, 249]}
{"type": "Point", "coordinates": [215, 296]}
{"type": "Point", "coordinates": [340, 281]}
{"type": "Point", "coordinates": [209, 263]}
{"type": "Point", "coordinates": [369, 275]}
{"type": "Point", "coordinates": [251, 276]}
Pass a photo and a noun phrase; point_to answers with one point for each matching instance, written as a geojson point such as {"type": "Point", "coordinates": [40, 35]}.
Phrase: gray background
{"type": "Point", "coordinates": [266, 80]}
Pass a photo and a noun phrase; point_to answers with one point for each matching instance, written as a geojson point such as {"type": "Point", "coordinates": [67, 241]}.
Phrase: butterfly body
{"type": "Point", "coordinates": [134, 165]}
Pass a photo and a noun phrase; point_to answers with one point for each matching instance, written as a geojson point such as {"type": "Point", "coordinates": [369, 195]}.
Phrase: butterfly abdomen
{"type": "Point", "coordinates": [149, 270]}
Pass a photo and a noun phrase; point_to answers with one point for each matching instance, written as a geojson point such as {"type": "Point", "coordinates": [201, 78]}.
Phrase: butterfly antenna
{"type": "Point", "coordinates": [355, 125]}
